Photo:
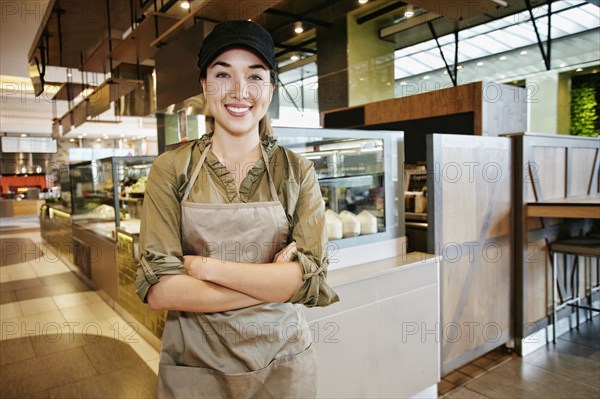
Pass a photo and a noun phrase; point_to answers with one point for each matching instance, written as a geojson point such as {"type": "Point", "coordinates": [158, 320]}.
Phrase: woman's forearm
{"type": "Point", "coordinates": [269, 282]}
{"type": "Point", "coordinates": [186, 293]}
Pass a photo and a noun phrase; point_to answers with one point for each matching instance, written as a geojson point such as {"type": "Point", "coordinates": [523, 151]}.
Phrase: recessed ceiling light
{"type": "Point", "coordinates": [80, 137]}
{"type": "Point", "coordinates": [523, 52]}
{"type": "Point", "coordinates": [409, 11]}
{"type": "Point", "coordinates": [480, 63]}
{"type": "Point", "coordinates": [445, 72]}
{"type": "Point", "coordinates": [185, 5]}
{"type": "Point", "coordinates": [459, 67]}
{"type": "Point", "coordinates": [98, 139]}
{"type": "Point", "coordinates": [502, 58]}
{"type": "Point", "coordinates": [363, 1]}
{"type": "Point", "coordinates": [562, 65]}
{"type": "Point", "coordinates": [579, 70]}
{"type": "Point", "coordinates": [426, 77]}
{"type": "Point", "coordinates": [23, 135]}
{"type": "Point", "coordinates": [294, 57]}
{"type": "Point", "coordinates": [71, 140]}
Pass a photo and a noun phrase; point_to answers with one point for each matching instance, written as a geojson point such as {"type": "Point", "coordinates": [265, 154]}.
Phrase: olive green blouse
{"type": "Point", "coordinates": [297, 188]}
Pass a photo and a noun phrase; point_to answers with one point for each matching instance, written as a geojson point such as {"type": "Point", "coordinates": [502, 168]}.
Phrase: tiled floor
{"type": "Point", "coordinates": [59, 339]}
{"type": "Point", "coordinates": [568, 369]}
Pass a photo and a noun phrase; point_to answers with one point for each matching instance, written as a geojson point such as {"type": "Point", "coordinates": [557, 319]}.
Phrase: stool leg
{"type": "Point", "coordinates": [554, 319]}
{"type": "Point", "coordinates": [576, 290]}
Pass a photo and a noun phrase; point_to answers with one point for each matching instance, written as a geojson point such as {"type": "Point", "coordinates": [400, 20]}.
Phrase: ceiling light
{"type": "Point", "coordinates": [98, 140]}
{"type": "Point", "coordinates": [294, 57]}
{"type": "Point", "coordinates": [409, 11]}
{"type": "Point", "coordinates": [500, 2]}
{"type": "Point", "coordinates": [480, 63]}
{"type": "Point", "coordinates": [80, 137]}
{"type": "Point", "coordinates": [579, 70]}
{"type": "Point", "coordinates": [563, 65]}
{"type": "Point", "coordinates": [105, 136]}
{"type": "Point", "coordinates": [71, 140]}
{"type": "Point", "coordinates": [403, 83]}
{"type": "Point", "coordinates": [363, 1]}
{"type": "Point", "coordinates": [23, 134]}
{"type": "Point", "coordinates": [459, 67]}
{"type": "Point", "coordinates": [523, 52]}
{"type": "Point", "coordinates": [426, 77]}
{"type": "Point", "coordinates": [298, 28]}
{"type": "Point", "coordinates": [185, 5]}
{"type": "Point", "coordinates": [502, 58]}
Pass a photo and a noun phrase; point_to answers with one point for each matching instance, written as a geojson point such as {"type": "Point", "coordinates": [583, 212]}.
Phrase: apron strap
{"type": "Point", "coordinates": [271, 184]}
{"type": "Point", "coordinates": [203, 158]}
{"type": "Point", "coordinates": [195, 174]}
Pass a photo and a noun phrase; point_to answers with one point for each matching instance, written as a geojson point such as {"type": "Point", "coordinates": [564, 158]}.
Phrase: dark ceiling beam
{"type": "Point", "coordinates": [296, 47]}
{"type": "Point", "coordinates": [297, 17]}
{"type": "Point", "coordinates": [380, 12]}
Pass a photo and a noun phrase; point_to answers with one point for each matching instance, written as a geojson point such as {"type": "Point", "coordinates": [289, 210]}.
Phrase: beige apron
{"type": "Point", "coordinates": [261, 351]}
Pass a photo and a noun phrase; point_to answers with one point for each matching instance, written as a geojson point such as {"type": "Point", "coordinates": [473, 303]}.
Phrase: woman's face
{"type": "Point", "coordinates": [238, 90]}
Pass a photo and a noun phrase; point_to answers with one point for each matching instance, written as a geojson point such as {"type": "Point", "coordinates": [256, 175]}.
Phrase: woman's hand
{"type": "Point", "coordinates": [285, 255]}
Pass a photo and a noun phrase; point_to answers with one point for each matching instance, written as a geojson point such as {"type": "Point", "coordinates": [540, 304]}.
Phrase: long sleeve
{"type": "Point", "coordinates": [309, 231]}
{"type": "Point", "coordinates": [160, 232]}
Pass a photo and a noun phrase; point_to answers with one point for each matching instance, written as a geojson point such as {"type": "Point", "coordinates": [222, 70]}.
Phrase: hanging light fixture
{"type": "Point", "coordinates": [298, 28]}
{"type": "Point", "coordinates": [185, 5]}
{"type": "Point", "coordinates": [409, 11]}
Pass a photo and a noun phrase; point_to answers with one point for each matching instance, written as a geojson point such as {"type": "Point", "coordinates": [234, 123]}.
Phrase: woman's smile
{"type": "Point", "coordinates": [238, 109]}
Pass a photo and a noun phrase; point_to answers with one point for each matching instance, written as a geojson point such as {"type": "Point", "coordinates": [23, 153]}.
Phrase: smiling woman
{"type": "Point", "coordinates": [233, 239]}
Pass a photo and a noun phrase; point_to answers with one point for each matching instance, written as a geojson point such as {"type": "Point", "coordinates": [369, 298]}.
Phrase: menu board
{"type": "Point", "coordinates": [28, 144]}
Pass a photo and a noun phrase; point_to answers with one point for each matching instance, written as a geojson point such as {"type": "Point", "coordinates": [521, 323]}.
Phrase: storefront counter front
{"type": "Point", "coordinates": [15, 208]}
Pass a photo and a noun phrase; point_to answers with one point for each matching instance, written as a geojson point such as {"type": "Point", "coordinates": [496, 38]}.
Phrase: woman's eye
{"type": "Point", "coordinates": [222, 75]}
{"type": "Point", "coordinates": [256, 77]}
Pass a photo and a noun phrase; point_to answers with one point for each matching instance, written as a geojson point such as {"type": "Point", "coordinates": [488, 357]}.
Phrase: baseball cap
{"type": "Point", "coordinates": [237, 33]}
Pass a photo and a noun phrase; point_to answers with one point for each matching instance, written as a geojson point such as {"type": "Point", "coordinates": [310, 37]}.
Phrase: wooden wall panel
{"type": "Point", "coordinates": [580, 169]}
{"type": "Point", "coordinates": [549, 164]}
{"type": "Point", "coordinates": [472, 214]}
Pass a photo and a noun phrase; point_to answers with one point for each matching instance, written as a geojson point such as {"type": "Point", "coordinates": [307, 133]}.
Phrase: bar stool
{"type": "Point", "coordinates": [587, 248]}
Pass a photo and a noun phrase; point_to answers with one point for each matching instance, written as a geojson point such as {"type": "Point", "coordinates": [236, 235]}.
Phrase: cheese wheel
{"type": "Point", "coordinates": [350, 224]}
{"type": "Point", "coordinates": [334, 225]}
{"type": "Point", "coordinates": [368, 223]}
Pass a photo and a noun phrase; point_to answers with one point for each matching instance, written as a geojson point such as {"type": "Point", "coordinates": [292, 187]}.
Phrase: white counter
{"type": "Point", "coordinates": [382, 339]}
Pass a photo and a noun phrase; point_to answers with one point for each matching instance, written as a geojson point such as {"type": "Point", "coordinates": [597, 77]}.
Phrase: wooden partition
{"type": "Point", "coordinates": [546, 167]}
{"type": "Point", "coordinates": [469, 214]}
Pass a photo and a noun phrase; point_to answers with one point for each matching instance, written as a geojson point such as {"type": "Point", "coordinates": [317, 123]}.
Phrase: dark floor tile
{"type": "Point", "coordinates": [18, 250]}
{"type": "Point", "coordinates": [108, 354]}
{"type": "Point", "coordinates": [7, 296]}
{"type": "Point", "coordinates": [465, 393]}
{"type": "Point", "coordinates": [485, 363]}
{"type": "Point", "coordinates": [457, 378]}
{"type": "Point", "coordinates": [588, 334]}
{"type": "Point", "coordinates": [569, 359]}
{"type": "Point", "coordinates": [41, 373]}
{"type": "Point", "coordinates": [471, 370]}
{"type": "Point", "coordinates": [44, 291]}
{"type": "Point", "coordinates": [499, 355]}
{"type": "Point", "coordinates": [444, 387]}
{"type": "Point", "coordinates": [21, 284]}
{"type": "Point", "coordinates": [517, 379]}
{"type": "Point", "coordinates": [15, 350]}
{"type": "Point", "coordinates": [131, 382]}
{"type": "Point", "coordinates": [46, 344]}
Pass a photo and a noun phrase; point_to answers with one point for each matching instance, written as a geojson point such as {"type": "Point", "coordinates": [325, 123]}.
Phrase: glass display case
{"type": "Point", "coordinates": [358, 173]}
{"type": "Point", "coordinates": [108, 193]}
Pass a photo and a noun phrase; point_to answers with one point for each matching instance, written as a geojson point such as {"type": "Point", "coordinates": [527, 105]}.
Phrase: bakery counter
{"type": "Point", "coordinates": [393, 304]}
{"type": "Point", "coordinates": [14, 208]}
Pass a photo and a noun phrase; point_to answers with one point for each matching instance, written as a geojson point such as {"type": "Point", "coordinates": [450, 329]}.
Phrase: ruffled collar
{"type": "Point", "coordinates": [269, 143]}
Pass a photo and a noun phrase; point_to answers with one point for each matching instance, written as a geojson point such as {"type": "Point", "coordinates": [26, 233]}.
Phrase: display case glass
{"type": "Point", "coordinates": [108, 193]}
{"type": "Point", "coordinates": [358, 175]}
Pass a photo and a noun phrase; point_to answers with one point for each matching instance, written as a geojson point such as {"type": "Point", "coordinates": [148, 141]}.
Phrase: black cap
{"type": "Point", "coordinates": [237, 33]}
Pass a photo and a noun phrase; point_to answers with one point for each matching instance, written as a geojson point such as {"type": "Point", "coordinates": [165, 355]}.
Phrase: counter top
{"type": "Point", "coordinates": [372, 269]}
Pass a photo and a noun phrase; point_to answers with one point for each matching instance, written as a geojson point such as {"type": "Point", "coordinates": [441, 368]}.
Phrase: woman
{"type": "Point", "coordinates": [233, 239]}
